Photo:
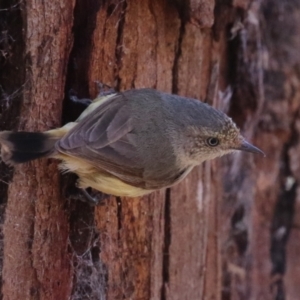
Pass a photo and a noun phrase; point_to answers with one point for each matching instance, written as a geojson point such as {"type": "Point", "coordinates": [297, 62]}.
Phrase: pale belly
{"type": "Point", "coordinates": [92, 177]}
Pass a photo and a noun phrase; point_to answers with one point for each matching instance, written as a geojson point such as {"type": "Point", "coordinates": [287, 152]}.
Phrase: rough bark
{"type": "Point", "coordinates": [36, 260]}
{"type": "Point", "coordinates": [229, 230]}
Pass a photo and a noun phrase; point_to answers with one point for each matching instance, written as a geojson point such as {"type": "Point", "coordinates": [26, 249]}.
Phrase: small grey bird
{"type": "Point", "coordinates": [132, 143]}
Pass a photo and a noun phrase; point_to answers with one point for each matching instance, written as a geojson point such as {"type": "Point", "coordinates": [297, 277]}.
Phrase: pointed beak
{"type": "Point", "coordinates": [245, 146]}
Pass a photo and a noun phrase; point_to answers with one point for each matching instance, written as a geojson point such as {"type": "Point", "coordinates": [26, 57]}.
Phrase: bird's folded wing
{"type": "Point", "coordinates": [105, 138]}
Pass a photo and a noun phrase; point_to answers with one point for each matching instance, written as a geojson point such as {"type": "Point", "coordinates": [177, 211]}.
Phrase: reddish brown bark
{"type": "Point", "coordinates": [36, 260]}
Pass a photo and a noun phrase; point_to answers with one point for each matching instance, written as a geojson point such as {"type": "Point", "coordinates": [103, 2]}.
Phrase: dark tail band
{"type": "Point", "coordinates": [20, 147]}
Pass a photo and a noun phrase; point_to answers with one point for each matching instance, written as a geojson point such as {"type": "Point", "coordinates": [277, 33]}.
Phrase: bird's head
{"type": "Point", "coordinates": [216, 137]}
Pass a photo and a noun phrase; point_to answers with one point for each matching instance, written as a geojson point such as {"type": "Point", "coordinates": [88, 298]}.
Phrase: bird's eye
{"type": "Point", "coordinates": [212, 142]}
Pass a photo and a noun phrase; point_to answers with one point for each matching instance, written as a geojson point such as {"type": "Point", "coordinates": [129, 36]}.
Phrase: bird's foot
{"type": "Point", "coordinates": [97, 199]}
{"type": "Point", "coordinates": [90, 196]}
{"type": "Point", "coordinates": [104, 89]}
{"type": "Point", "coordinates": [73, 97]}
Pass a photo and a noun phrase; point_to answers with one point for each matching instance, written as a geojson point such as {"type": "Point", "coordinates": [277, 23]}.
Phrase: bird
{"type": "Point", "coordinates": [132, 143]}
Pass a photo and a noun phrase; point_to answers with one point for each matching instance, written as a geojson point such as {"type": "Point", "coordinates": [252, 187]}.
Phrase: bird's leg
{"type": "Point", "coordinates": [75, 192]}
{"type": "Point", "coordinates": [93, 201]}
{"type": "Point", "coordinates": [73, 97]}
{"type": "Point", "coordinates": [104, 89]}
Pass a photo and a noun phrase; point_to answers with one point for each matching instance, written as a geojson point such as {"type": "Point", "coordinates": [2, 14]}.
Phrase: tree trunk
{"type": "Point", "coordinates": [229, 230]}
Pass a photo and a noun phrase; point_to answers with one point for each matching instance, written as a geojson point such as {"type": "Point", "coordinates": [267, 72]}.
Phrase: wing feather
{"type": "Point", "coordinates": [106, 140]}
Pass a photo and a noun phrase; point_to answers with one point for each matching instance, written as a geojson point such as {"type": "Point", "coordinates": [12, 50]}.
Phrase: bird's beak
{"type": "Point", "coordinates": [245, 146]}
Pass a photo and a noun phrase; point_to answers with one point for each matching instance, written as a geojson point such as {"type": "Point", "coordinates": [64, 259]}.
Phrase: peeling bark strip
{"type": "Point", "coordinates": [229, 230]}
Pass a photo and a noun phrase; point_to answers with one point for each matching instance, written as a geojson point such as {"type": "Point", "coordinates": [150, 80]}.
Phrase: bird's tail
{"type": "Point", "coordinates": [20, 147]}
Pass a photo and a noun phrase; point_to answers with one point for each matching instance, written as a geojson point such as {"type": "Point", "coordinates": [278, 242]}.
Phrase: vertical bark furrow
{"type": "Point", "coordinates": [166, 246]}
